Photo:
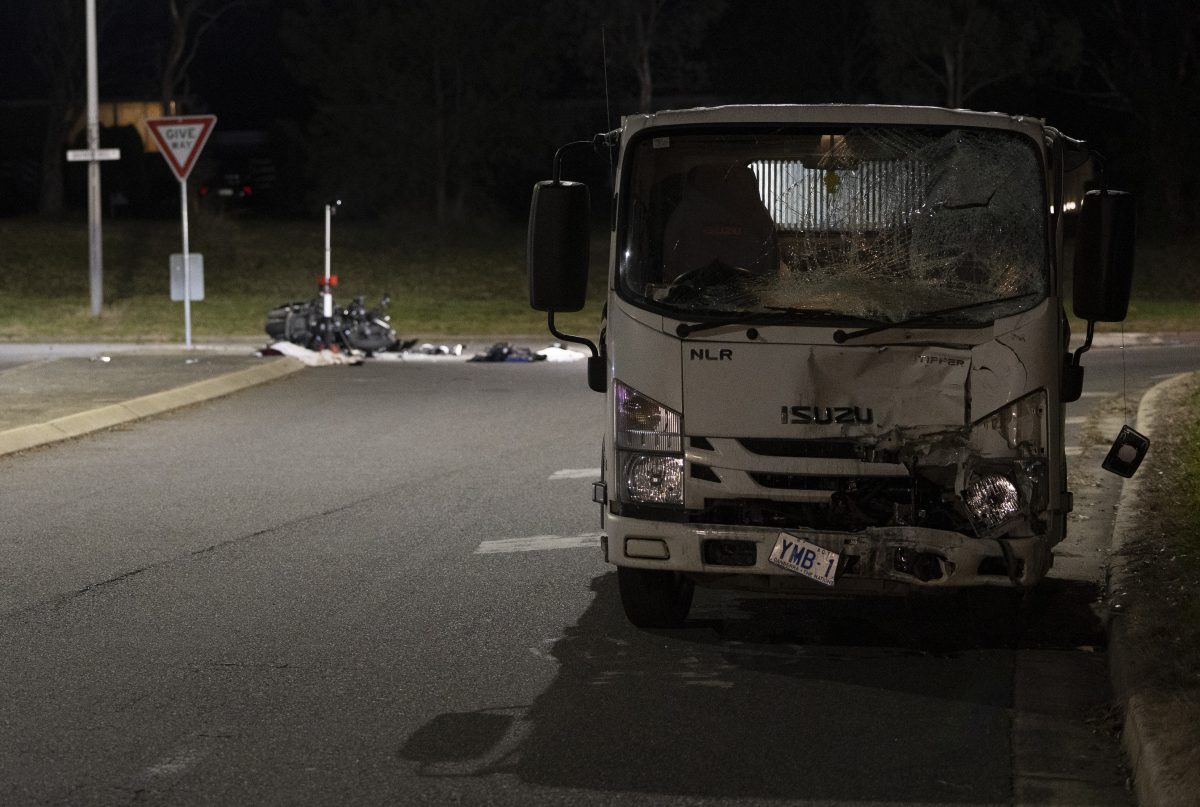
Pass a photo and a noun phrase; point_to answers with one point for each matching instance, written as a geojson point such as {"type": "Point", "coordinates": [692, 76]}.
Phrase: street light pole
{"type": "Point", "coordinates": [95, 256]}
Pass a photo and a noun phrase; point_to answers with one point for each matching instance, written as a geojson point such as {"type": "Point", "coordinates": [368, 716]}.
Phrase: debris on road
{"type": "Point", "coordinates": [557, 352]}
{"type": "Point", "coordinates": [425, 351]}
{"type": "Point", "coordinates": [312, 358]}
{"type": "Point", "coordinates": [428, 349]}
{"type": "Point", "coordinates": [504, 352]}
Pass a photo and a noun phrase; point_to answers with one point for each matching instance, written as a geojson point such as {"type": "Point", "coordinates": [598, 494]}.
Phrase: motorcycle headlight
{"type": "Point", "coordinates": [649, 437]}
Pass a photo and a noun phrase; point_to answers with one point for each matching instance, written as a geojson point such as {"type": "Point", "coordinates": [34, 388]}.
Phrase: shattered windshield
{"type": "Point", "coordinates": [877, 225]}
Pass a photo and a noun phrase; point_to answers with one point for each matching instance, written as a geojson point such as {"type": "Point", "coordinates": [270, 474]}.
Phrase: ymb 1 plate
{"type": "Point", "coordinates": [799, 556]}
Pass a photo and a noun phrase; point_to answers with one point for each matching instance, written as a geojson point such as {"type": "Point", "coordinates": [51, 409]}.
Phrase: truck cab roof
{"type": "Point", "coordinates": [844, 114]}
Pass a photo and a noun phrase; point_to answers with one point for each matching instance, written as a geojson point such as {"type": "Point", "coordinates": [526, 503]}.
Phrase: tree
{"type": "Point", "coordinates": [189, 20]}
{"type": "Point", "coordinates": [648, 44]}
{"type": "Point", "coordinates": [57, 49]}
{"type": "Point", "coordinates": [949, 52]}
{"type": "Point", "coordinates": [1142, 68]}
{"type": "Point", "coordinates": [418, 103]}
{"type": "Point", "coordinates": [57, 52]}
{"type": "Point", "coordinates": [773, 53]}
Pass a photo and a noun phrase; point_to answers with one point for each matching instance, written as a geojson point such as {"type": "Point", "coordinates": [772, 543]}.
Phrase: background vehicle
{"type": "Point", "coordinates": [835, 351]}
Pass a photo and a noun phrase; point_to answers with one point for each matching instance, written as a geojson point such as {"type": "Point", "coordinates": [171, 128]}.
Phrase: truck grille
{"type": "Point", "coordinates": [823, 485]}
{"type": "Point", "coordinates": [814, 449]}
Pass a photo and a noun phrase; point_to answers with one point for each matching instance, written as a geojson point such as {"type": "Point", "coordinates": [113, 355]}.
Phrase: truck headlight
{"type": "Point", "coordinates": [992, 500]}
{"type": "Point", "coordinates": [1018, 427]}
{"type": "Point", "coordinates": [652, 478]}
{"type": "Point", "coordinates": [649, 437]}
{"type": "Point", "coordinates": [643, 424]}
{"type": "Point", "coordinates": [1006, 480]}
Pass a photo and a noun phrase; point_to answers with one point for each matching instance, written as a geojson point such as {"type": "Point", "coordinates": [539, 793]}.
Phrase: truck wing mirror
{"type": "Point", "coordinates": [1103, 270]}
{"type": "Point", "coordinates": [1126, 453]}
{"type": "Point", "coordinates": [558, 246]}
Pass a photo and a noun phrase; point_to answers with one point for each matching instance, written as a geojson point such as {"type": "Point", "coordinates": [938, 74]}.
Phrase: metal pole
{"type": "Point", "coordinates": [95, 256]}
{"type": "Point", "coordinates": [187, 268]}
{"type": "Point", "coordinates": [328, 303]}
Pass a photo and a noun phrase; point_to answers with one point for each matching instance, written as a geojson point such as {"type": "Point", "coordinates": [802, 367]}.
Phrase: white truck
{"type": "Point", "coordinates": [834, 346]}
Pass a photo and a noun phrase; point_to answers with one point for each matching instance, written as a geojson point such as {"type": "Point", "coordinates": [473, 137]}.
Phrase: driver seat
{"type": "Point", "coordinates": [720, 218]}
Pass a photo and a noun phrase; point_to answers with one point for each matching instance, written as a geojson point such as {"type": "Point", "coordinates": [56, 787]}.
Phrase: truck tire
{"type": "Point", "coordinates": [653, 598]}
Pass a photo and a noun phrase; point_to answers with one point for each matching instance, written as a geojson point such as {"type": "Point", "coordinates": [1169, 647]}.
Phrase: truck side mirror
{"type": "Point", "coordinates": [558, 246]}
{"type": "Point", "coordinates": [1103, 270]}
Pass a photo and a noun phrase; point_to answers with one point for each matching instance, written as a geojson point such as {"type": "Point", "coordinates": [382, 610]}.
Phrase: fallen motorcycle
{"type": "Point", "coordinates": [314, 325]}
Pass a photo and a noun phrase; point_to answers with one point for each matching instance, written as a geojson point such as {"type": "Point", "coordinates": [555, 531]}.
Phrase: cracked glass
{"type": "Point", "coordinates": [875, 225]}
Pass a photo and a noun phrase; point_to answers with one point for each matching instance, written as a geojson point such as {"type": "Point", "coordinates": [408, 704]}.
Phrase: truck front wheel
{"type": "Point", "coordinates": [654, 598]}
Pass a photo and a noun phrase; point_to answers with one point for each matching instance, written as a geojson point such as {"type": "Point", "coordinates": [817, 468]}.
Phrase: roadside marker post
{"type": "Point", "coordinates": [328, 332]}
{"type": "Point", "coordinates": [180, 140]}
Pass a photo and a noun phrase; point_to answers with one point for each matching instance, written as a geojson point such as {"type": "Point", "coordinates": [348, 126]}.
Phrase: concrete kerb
{"type": "Point", "coordinates": [1152, 780]}
{"type": "Point", "coordinates": [104, 417]}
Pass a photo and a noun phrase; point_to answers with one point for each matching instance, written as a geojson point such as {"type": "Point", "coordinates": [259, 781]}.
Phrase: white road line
{"type": "Point", "coordinates": [1096, 394]}
{"type": "Point", "coordinates": [537, 543]}
{"type": "Point", "coordinates": [576, 473]}
{"type": "Point", "coordinates": [1074, 451]}
{"type": "Point", "coordinates": [1076, 421]}
{"type": "Point", "coordinates": [175, 763]}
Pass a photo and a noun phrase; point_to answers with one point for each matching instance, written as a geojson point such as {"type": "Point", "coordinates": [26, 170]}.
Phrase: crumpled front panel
{"type": "Point", "coordinates": [808, 392]}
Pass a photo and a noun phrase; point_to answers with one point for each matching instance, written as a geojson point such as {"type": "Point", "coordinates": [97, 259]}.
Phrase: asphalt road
{"type": "Point", "coordinates": [305, 594]}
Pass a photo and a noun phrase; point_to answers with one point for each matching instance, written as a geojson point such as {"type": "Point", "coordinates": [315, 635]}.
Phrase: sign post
{"type": "Point", "coordinates": [180, 140]}
{"type": "Point", "coordinates": [93, 155]}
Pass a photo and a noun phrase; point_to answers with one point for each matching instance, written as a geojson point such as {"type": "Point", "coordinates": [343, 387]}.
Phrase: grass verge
{"type": "Point", "coordinates": [1161, 595]}
{"type": "Point", "coordinates": [453, 283]}
{"type": "Point", "coordinates": [468, 282]}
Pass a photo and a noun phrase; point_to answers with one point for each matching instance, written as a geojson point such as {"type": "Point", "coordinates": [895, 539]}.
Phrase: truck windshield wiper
{"type": "Point", "coordinates": [841, 336]}
{"type": "Point", "coordinates": [685, 329]}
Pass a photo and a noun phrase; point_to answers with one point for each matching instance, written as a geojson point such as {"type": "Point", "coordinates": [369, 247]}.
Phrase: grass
{"type": "Point", "coordinates": [1167, 551]}
{"type": "Point", "coordinates": [1162, 591]}
{"type": "Point", "coordinates": [466, 282]}
{"type": "Point", "coordinates": [1166, 290]}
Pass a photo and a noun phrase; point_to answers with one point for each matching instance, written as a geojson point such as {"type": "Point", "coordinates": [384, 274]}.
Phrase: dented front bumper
{"type": "Point", "coordinates": [875, 559]}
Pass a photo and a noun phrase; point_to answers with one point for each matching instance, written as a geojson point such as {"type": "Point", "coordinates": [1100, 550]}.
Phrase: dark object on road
{"type": "Point", "coordinates": [503, 351]}
{"type": "Point", "coordinates": [354, 327]}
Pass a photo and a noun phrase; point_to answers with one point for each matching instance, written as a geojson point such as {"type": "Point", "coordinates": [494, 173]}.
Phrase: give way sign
{"type": "Point", "coordinates": [181, 139]}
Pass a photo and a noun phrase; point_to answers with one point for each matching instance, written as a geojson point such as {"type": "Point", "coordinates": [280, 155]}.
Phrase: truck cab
{"type": "Point", "coordinates": [835, 352]}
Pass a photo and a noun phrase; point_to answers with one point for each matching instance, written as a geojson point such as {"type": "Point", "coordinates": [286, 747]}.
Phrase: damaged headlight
{"type": "Point", "coordinates": [650, 448]}
{"type": "Point", "coordinates": [1007, 479]}
{"type": "Point", "coordinates": [992, 501]}
{"type": "Point", "coordinates": [1018, 427]}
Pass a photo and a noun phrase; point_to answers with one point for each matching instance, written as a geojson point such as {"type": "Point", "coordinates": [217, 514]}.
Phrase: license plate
{"type": "Point", "coordinates": [799, 556]}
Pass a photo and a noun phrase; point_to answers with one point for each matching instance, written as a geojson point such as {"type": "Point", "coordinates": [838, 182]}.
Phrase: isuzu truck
{"type": "Point", "coordinates": [834, 347]}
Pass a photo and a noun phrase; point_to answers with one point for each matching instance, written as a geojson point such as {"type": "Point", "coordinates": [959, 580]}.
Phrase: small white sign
{"type": "Point", "coordinates": [92, 155]}
{"type": "Point", "coordinates": [195, 275]}
{"type": "Point", "coordinates": [181, 139]}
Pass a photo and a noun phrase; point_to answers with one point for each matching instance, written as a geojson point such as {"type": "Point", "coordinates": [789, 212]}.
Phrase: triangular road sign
{"type": "Point", "coordinates": [180, 139]}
